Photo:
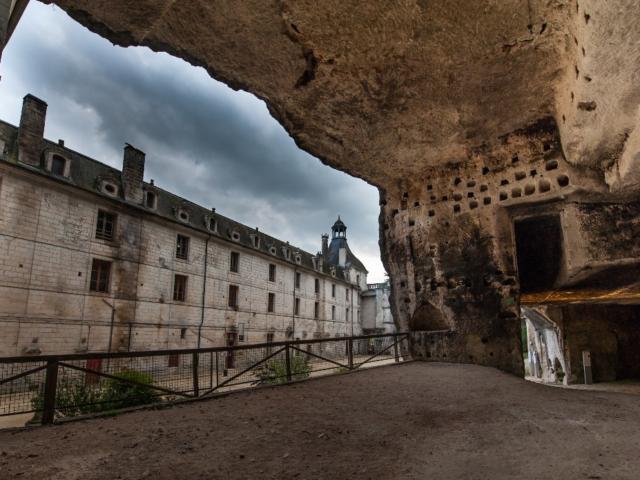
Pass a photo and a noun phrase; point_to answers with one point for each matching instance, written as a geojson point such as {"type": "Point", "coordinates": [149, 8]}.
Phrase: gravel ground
{"type": "Point", "coordinates": [414, 421]}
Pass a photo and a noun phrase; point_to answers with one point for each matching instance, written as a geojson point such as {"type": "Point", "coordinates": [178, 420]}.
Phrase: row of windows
{"type": "Point", "coordinates": [101, 276]}
{"type": "Point", "coordinates": [106, 228]}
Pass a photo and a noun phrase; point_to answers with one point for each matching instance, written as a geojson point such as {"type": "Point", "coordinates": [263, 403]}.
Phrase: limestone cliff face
{"type": "Point", "coordinates": [466, 115]}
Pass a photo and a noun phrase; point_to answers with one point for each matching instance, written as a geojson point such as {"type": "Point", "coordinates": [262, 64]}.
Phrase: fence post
{"type": "Point", "coordinates": [217, 371]}
{"type": "Point", "coordinates": [287, 357]}
{"type": "Point", "coordinates": [50, 385]}
{"type": "Point", "coordinates": [395, 348]}
{"type": "Point", "coordinates": [350, 352]}
{"type": "Point", "coordinates": [196, 379]}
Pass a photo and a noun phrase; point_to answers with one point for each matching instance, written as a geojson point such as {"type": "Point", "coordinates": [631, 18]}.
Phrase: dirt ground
{"type": "Point", "coordinates": [413, 421]}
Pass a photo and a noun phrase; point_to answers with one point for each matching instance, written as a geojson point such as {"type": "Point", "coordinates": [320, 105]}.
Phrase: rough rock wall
{"type": "Point", "coordinates": [456, 110]}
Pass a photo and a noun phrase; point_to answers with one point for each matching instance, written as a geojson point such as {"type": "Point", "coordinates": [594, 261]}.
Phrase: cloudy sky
{"type": "Point", "coordinates": [203, 141]}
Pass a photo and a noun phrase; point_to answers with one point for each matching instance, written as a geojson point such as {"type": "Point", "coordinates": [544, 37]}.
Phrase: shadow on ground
{"type": "Point", "coordinates": [418, 420]}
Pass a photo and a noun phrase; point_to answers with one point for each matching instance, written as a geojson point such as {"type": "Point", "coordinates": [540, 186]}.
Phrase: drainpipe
{"type": "Point", "coordinates": [293, 310]}
{"type": "Point", "coordinates": [204, 289]}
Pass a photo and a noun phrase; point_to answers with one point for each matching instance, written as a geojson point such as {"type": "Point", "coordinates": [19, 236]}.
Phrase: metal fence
{"type": "Point", "coordinates": [54, 387]}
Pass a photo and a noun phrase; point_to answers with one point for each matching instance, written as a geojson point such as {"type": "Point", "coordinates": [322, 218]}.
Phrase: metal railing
{"type": "Point", "coordinates": [59, 386]}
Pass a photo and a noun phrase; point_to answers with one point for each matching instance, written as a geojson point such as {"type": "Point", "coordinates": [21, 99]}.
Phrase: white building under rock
{"type": "Point", "coordinates": [97, 259]}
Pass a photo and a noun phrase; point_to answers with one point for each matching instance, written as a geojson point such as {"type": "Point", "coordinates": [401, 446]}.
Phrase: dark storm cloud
{"type": "Point", "coordinates": [203, 141]}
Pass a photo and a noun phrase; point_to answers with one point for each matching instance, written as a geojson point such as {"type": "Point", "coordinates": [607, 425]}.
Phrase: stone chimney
{"type": "Point", "coordinates": [31, 130]}
{"type": "Point", "coordinates": [325, 244]}
{"type": "Point", "coordinates": [133, 174]}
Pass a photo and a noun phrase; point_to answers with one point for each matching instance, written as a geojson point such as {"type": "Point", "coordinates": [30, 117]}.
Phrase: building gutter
{"type": "Point", "coordinates": [204, 289]}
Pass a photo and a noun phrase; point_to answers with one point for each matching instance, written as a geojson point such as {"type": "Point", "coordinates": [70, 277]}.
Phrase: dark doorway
{"type": "Point", "coordinates": [539, 252]}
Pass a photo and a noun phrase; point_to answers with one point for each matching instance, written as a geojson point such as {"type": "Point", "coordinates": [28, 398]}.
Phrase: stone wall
{"type": "Point", "coordinates": [48, 242]}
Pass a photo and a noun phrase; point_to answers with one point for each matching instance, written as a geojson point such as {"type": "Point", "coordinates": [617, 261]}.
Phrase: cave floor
{"type": "Point", "coordinates": [417, 420]}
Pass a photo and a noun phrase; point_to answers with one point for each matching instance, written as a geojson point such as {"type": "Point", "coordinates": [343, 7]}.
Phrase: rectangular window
{"type": "Point", "coordinates": [346, 316]}
{"type": "Point", "coordinates": [316, 308]}
{"type": "Point", "coordinates": [174, 360]}
{"type": "Point", "coordinates": [106, 225]}
{"type": "Point", "coordinates": [100, 276]}
{"type": "Point", "coordinates": [271, 304]}
{"type": "Point", "coordinates": [272, 272]}
{"type": "Point", "coordinates": [234, 262]}
{"type": "Point", "coordinates": [182, 247]}
{"type": "Point", "coordinates": [298, 276]}
{"type": "Point", "coordinates": [183, 333]}
{"type": "Point", "coordinates": [233, 296]}
{"type": "Point", "coordinates": [179, 288]}
{"type": "Point", "coordinates": [297, 307]}
{"type": "Point", "coordinates": [269, 337]}
{"type": "Point", "coordinates": [333, 290]}
{"type": "Point", "coordinates": [346, 294]}
{"type": "Point", "coordinates": [317, 285]}
{"type": "Point", "coordinates": [333, 312]}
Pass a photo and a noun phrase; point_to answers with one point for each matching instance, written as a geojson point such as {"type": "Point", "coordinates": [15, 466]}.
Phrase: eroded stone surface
{"type": "Point", "coordinates": [467, 116]}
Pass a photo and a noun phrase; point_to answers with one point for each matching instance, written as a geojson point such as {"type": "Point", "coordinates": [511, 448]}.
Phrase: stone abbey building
{"type": "Point", "coordinates": [97, 259]}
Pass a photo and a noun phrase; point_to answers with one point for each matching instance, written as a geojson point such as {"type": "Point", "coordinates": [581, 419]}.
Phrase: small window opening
{"type": "Point", "coordinates": [297, 307]}
{"type": "Point", "coordinates": [233, 296]}
{"type": "Point", "coordinates": [234, 262]}
{"type": "Point", "coordinates": [180, 288]}
{"type": "Point", "coordinates": [150, 200]}
{"type": "Point", "coordinates": [100, 276]}
{"type": "Point", "coordinates": [182, 247]}
{"type": "Point", "coordinates": [106, 225]}
{"type": "Point", "coordinates": [58, 165]}
{"type": "Point", "coordinates": [271, 303]}
{"type": "Point", "coordinates": [272, 272]}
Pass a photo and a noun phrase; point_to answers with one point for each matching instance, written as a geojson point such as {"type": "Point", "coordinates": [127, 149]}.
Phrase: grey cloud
{"type": "Point", "coordinates": [203, 141]}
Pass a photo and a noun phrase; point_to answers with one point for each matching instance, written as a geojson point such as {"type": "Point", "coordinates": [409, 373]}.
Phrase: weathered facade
{"type": "Point", "coordinates": [94, 259]}
{"type": "Point", "coordinates": [376, 309]}
{"type": "Point", "coordinates": [503, 137]}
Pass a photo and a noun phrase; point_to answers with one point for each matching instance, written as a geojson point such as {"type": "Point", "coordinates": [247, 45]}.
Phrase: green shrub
{"type": "Point", "coordinates": [274, 371]}
{"type": "Point", "coordinates": [121, 394]}
{"type": "Point", "coordinates": [75, 397]}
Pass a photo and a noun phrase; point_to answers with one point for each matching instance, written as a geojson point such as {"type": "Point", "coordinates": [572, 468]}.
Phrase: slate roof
{"type": "Point", "coordinates": [333, 254]}
{"type": "Point", "coordinates": [86, 173]}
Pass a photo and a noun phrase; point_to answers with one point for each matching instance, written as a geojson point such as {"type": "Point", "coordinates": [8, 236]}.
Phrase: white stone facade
{"type": "Point", "coordinates": [48, 243]}
{"type": "Point", "coordinates": [376, 310]}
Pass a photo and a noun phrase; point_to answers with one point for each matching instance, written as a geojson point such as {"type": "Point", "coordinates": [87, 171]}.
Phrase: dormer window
{"type": "Point", "coordinates": [255, 239]}
{"type": "Point", "coordinates": [298, 259]}
{"type": "Point", "coordinates": [273, 250]}
{"type": "Point", "coordinates": [333, 271]}
{"type": "Point", "coordinates": [57, 165]}
{"type": "Point", "coordinates": [235, 236]}
{"type": "Point", "coordinates": [212, 224]}
{"type": "Point", "coordinates": [286, 252]}
{"type": "Point", "coordinates": [110, 188]}
{"type": "Point", "coordinates": [150, 200]}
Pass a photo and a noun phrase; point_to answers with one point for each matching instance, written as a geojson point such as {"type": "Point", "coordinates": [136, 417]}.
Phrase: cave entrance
{"type": "Point", "coordinates": [538, 252]}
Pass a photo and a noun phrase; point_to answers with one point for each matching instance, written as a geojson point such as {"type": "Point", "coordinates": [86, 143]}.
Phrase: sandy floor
{"type": "Point", "coordinates": [415, 421]}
